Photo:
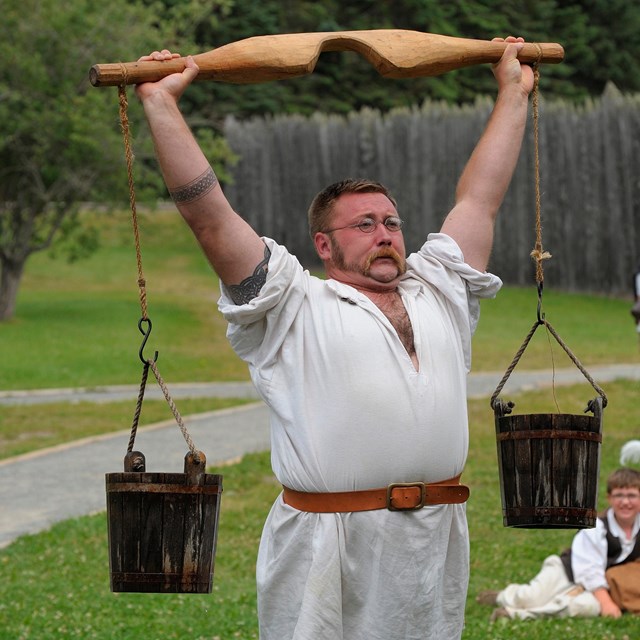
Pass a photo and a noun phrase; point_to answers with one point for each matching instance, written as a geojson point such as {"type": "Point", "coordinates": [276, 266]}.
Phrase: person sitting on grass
{"type": "Point", "coordinates": [573, 584]}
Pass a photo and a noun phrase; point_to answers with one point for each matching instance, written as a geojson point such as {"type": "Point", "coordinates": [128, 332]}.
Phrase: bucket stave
{"type": "Point", "coordinates": [163, 529]}
{"type": "Point", "coordinates": [549, 467]}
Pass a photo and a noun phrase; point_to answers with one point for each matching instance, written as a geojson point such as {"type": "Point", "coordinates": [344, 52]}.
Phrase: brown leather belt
{"type": "Point", "coordinates": [398, 496]}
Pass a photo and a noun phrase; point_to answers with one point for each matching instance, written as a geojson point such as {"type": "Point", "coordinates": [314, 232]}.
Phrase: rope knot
{"type": "Point", "coordinates": [538, 255]}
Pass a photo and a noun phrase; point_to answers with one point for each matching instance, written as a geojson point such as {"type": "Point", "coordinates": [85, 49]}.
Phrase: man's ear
{"type": "Point", "coordinates": [322, 245]}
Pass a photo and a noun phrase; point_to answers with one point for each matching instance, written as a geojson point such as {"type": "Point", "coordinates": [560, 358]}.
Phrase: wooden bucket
{"type": "Point", "coordinates": [549, 467]}
{"type": "Point", "coordinates": [162, 527]}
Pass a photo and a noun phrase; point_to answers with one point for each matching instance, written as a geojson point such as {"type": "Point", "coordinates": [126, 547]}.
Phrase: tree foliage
{"type": "Point", "coordinates": [60, 142]}
{"type": "Point", "coordinates": [601, 39]}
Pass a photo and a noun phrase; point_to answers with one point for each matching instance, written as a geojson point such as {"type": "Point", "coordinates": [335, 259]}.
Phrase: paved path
{"type": "Point", "coordinates": [44, 487]}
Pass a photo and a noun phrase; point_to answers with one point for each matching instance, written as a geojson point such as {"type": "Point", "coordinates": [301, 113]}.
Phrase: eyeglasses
{"type": "Point", "coordinates": [625, 496]}
{"type": "Point", "coordinates": [369, 225]}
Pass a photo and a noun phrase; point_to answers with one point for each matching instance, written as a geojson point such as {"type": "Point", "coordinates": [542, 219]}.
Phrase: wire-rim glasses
{"type": "Point", "coordinates": [369, 225]}
{"type": "Point", "coordinates": [621, 495]}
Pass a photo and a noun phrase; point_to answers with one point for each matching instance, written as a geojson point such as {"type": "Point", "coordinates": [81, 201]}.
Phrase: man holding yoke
{"type": "Point", "coordinates": [364, 373]}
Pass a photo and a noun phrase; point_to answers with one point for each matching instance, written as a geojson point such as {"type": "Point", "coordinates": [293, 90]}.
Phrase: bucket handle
{"type": "Point", "coordinates": [195, 465]}
{"type": "Point", "coordinates": [506, 407]}
{"type": "Point", "coordinates": [176, 414]}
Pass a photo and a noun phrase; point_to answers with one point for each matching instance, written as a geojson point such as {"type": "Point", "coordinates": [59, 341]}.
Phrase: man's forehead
{"type": "Point", "coordinates": [350, 204]}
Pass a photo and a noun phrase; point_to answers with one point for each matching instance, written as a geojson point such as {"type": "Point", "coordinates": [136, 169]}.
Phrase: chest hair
{"type": "Point", "coordinates": [393, 308]}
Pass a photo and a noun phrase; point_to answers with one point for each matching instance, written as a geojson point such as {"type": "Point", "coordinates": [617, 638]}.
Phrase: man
{"type": "Point", "coordinates": [575, 583]}
{"type": "Point", "coordinates": [365, 377]}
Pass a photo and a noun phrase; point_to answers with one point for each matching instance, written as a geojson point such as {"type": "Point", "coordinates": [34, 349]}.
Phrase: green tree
{"type": "Point", "coordinates": [60, 142]}
{"type": "Point", "coordinates": [610, 48]}
{"type": "Point", "coordinates": [601, 39]}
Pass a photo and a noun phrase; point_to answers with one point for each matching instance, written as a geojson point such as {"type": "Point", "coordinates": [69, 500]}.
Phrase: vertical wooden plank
{"type": "Point", "coordinates": [174, 515]}
{"type": "Point", "coordinates": [587, 464]}
{"type": "Point", "coordinates": [194, 538]}
{"type": "Point", "coordinates": [543, 466]}
{"type": "Point", "coordinates": [209, 533]}
{"type": "Point", "coordinates": [563, 472]}
{"type": "Point", "coordinates": [115, 520]}
{"type": "Point", "coordinates": [523, 464]}
{"type": "Point", "coordinates": [506, 466]}
{"type": "Point", "coordinates": [580, 465]}
{"type": "Point", "coordinates": [594, 425]}
{"type": "Point", "coordinates": [132, 522]}
{"type": "Point", "coordinates": [151, 532]}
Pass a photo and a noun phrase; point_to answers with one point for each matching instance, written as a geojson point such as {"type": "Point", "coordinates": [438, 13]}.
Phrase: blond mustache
{"type": "Point", "coordinates": [387, 252]}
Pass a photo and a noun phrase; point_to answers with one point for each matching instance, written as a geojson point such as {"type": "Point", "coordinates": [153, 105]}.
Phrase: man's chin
{"type": "Point", "coordinates": [385, 269]}
{"type": "Point", "coordinates": [384, 273]}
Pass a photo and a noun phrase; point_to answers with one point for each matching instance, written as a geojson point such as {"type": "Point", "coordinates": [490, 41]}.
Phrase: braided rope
{"type": "Point", "coordinates": [539, 255]}
{"type": "Point", "coordinates": [136, 415]}
{"type": "Point", "coordinates": [174, 410]}
{"type": "Point", "coordinates": [126, 134]}
{"type": "Point", "coordinates": [578, 364]}
{"type": "Point", "coordinates": [513, 364]}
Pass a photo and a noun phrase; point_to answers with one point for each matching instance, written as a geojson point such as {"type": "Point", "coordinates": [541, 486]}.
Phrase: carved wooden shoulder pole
{"type": "Point", "coordinates": [394, 53]}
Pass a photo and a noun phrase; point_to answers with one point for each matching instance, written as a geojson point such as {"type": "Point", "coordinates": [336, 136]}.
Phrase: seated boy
{"type": "Point", "coordinates": [574, 584]}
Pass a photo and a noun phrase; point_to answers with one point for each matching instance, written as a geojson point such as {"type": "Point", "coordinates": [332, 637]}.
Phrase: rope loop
{"type": "Point", "coordinates": [496, 402]}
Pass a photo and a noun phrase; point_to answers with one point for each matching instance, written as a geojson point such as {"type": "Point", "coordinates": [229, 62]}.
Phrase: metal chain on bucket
{"type": "Point", "coordinates": [539, 255]}
{"type": "Point", "coordinates": [147, 362]}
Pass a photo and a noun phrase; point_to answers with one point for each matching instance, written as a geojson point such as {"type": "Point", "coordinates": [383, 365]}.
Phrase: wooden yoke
{"type": "Point", "coordinates": [394, 53]}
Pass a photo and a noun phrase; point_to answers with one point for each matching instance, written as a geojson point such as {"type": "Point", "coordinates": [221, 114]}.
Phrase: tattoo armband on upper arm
{"type": "Point", "coordinates": [250, 287]}
{"type": "Point", "coordinates": [194, 189]}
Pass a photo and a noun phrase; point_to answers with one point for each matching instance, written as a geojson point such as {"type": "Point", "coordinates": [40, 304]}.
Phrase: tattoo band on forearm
{"type": "Point", "coordinates": [250, 287]}
{"type": "Point", "coordinates": [195, 189]}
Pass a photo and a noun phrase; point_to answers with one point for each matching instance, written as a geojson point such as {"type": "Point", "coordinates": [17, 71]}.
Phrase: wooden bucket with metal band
{"type": "Point", "coordinates": [162, 527]}
{"type": "Point", "coordinates": [549, 466]}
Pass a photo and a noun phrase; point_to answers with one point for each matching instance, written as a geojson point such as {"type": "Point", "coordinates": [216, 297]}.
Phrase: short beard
{"type": "Point", "coordinates": [365, 269]}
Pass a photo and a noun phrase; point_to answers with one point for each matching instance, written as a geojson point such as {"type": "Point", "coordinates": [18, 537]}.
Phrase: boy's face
{"type": "Point", "coordinates": [625, 502]}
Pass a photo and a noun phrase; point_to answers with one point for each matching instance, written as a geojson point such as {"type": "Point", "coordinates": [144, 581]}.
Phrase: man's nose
{"type": "Point", "coordinates": [383, 235]}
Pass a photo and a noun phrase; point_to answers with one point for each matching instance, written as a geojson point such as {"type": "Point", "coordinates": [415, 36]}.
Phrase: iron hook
{"type": "Point", "coordinates": [540, 314]}
{"type": "Point", "coordinates": [146, 335]}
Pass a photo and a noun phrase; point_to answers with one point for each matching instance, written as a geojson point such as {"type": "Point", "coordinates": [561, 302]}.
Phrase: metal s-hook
{"type": "Point", "coordinates": [146, 335]}
{"type": "Point", "coordinates": [540, 314]}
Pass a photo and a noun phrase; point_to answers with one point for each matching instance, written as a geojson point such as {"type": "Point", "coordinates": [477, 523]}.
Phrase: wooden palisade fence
{"type": "Point", "coordinates": [590, 180]}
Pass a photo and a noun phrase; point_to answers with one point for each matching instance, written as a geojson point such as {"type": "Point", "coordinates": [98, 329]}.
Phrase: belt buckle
{"type": "Point", "coordinates": [395, 485]}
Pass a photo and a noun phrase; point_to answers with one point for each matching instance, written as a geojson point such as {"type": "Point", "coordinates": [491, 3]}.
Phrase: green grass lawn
{"type": "Point", "coordinates": [55, 585]}
{"type": "Point", "coordinates": [76, 325]}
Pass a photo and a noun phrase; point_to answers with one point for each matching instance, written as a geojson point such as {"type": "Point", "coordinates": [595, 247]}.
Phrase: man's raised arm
{"type": "Point", "coordinates": [486, 177]}
{"type": "Point", "coordinates": [233, 248]}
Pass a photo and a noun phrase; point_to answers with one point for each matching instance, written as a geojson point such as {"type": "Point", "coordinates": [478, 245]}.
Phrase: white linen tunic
{"type": "Point", "coordinates": [349, 411]}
